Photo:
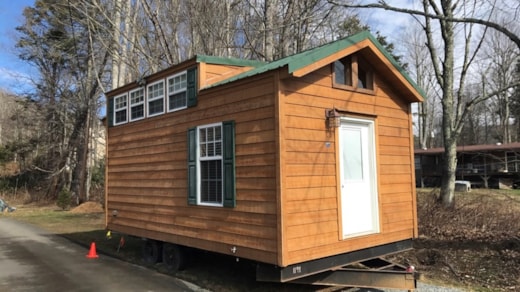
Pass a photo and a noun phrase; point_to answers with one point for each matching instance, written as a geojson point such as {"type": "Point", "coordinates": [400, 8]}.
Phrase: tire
{"type": "Point", "coordinates": [152, 251]}
{"type": "Point", "coordinates": [174, 257]}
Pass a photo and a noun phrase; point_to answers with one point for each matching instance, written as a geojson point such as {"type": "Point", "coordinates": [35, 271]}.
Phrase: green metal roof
{"type": "Point", "coordinates": [308, 57]}
{"type": "Point", "coordinates": [228, 61]}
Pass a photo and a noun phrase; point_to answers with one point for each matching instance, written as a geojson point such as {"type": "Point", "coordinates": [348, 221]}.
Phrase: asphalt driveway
{"type": "Point", "coordinates": [34, 260]}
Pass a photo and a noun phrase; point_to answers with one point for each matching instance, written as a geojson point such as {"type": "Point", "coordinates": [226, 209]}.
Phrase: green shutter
{"type": "Point", "coordinates": [229, 163]}
{"type": "Point", "coordinates": [192, 166]}
{"type": "Point", "coordinates": [110, 111]}
{"type": "Point", "coordinates": [192, 86]}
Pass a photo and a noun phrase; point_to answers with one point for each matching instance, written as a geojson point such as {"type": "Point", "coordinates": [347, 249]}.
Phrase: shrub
{"type": "Point", "coordinates": [64, 199]}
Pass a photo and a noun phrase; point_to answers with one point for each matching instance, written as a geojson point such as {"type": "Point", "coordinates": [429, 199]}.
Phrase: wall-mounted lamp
{"type": "Point", "coordinates": [333, 118]}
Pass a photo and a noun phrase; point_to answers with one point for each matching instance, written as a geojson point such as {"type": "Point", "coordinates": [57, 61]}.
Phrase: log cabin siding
{"type": "Point", "coordinates": [147, 173]}
{"type": "Point", "coordinates": [311, 196]}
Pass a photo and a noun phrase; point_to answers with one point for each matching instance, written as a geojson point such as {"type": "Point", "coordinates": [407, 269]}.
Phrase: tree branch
{"type": "Point", "coordinates": [382, 5]}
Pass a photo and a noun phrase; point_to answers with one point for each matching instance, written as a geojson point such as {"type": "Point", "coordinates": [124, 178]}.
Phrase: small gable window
{"type": "Point", "coordinates": [343, 71]}
{"type": "Point", "coordinates": [353, 73]}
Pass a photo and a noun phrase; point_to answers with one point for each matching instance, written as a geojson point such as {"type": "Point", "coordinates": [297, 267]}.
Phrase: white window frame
{"type": "Point", "coordinates": [120, 109]}
{"type": "Point", "coordinates": [155, 98]}
{"type": "Point", "coordinates": [210, 158]}
{"type": "Point", "coordinates": [172, 90]}
{"type": "Point", "coordinates": [132, 105]}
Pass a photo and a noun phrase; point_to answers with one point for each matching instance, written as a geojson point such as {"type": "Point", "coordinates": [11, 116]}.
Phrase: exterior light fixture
{"type": "Point", "coordinates": [333, 118]}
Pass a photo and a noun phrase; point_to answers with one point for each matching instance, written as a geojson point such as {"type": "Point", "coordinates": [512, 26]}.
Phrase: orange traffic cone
{"type": "Point", "coordinates": [92, 253]}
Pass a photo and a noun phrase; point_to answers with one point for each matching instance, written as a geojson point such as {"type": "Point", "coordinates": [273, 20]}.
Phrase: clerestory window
{"type": "Point", "coordinates": [137, 104]}
{"type": "Point", "coordinates": [155, 98]}
{"type": "Point", "coordinates": [120, 109]}
{"type": "Point", "coordinates": [177, 92]}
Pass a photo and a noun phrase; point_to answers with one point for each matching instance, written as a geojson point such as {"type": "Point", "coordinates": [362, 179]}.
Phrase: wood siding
{"type": "Point", "coordinates": [147, 173]}
{"type": "Point", "coordinates": [213, 73]}
{"type": "Point", "coordinates": [310, 198]}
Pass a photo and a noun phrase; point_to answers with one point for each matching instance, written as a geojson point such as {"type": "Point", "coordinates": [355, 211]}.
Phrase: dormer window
{"type": "Point", "coordinates": [353, 73]}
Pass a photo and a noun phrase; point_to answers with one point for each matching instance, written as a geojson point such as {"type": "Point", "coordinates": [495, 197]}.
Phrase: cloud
{"type": "Point", "coordinates": [388, 23]}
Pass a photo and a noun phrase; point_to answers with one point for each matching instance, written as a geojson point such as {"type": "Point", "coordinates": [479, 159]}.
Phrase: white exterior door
{"type": "Point", "coordinates": [359, 201]}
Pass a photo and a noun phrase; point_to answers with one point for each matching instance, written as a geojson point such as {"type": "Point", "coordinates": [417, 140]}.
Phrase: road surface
{"type": "Point", "coordinates": [34, 260]}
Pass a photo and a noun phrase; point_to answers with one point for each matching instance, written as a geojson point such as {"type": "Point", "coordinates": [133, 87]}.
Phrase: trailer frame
{"type": "Point", "coordinates": [364, 268]}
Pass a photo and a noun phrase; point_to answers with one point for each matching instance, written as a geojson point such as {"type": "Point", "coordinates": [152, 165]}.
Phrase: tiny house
{"type": "Point", "coordinates": [304, 160]}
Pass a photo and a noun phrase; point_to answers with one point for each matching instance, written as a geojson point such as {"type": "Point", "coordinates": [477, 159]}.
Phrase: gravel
{"type": "Point", "coordinates": [421, 287]}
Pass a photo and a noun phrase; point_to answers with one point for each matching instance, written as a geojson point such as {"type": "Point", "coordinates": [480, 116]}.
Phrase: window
{"type": "Point", "coordinates": [174, 93]}
{"type": "Point", "coordinates": [177, 94]}
{"type": "Point", "coordinates": [210, 161]}
{"type": "Point", "coordinates": [136, 104]}
{"type": "Point", "coordinates": [365, 77]}
{"type": "Point", "coordinates": [353, 73]}
{"type": "Point", "coordinates": [342, 71]}
{"type": "Point", "coordinates": [156, 98]}
{"type": "Point", "coordinates": [120, 109]}
{"type": "Point", "coordinates": [211, 165]}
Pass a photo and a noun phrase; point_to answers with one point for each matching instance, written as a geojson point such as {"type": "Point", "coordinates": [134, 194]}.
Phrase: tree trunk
{"type": "Point", "coordinates": [449, 167]}
{"type": "Point", "coordinates": [269, 16]}
{"type": "Point", "coordinates": [117, 76]}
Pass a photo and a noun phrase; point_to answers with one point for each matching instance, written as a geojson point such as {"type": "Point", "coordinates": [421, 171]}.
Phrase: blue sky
{"type": "Point", "coordinates": [13, 72]}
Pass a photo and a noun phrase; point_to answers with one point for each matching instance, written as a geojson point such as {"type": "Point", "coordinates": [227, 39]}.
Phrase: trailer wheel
{"type": "Point", "coordinates": [152, 251]}
{"type": "Point", "coordinates": [174, 256]}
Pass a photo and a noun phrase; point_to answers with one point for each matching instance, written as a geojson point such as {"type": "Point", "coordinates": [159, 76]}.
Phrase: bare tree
{"type": "Point", "coordinates": [454, 21]}
{"type": "Point", "coordinates": [417, 56]}
{"type": "Point", "coordinates": [499, 55]}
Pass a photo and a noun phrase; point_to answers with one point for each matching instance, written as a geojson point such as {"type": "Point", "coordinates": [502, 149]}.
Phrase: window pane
{"type": "Point", "coordinates": [210, 134]}
{"type": "Point", "coordinates": [137, 112]}
{"type": "Point", "coordinates": [155, 107]}
{"type": "Point", "coordinates": [155, 90]}
{"type": "Point", "coordinates": [120, 102]}
{"type": "Point", "coordinates": [120, 116]}
{"type": "Point", "coordinates": [352, 155]}
{"type": "Point", "coordinates": [339, 71]}
{"type": "Point", "coordinates": [203, 151]}
{"type": "Point", "coordinates": [218, 133]}
{"type": "Point", "coordinates": [178, 100]}
{"type": "Point", "coordinates": [211, 181]}
{"type": "Point", "coordinates": [218, 148]}
{"type": "Point", "coordinates": [137, 97]}
{"type": "Point", "coordinates": [362, 78]}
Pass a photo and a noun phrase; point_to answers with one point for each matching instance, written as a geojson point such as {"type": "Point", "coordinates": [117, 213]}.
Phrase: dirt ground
{"type": "Point", "coordinates": [88, 207]}
{"type": "Point", "coordinates": [475, 245]}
